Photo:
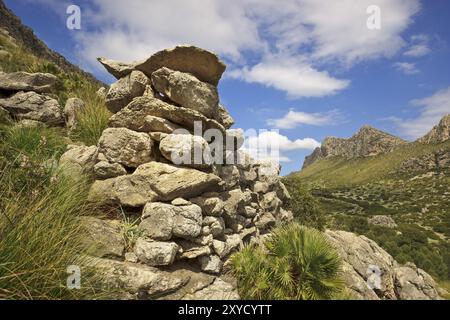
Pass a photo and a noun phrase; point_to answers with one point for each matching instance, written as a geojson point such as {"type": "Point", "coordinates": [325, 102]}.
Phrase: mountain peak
{"type": "Point", "coordinates": [368, 141]}
{"type": "Point", "coordinates": [439, 133]}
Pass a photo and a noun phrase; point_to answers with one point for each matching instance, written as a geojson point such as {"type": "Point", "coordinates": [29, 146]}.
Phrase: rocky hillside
{"type": "Point", "coordinates": [439, 133]}
{"type": "Point", "coordinates": [367, 142]}
{"type": "Point", "coordinates": [12, 27]}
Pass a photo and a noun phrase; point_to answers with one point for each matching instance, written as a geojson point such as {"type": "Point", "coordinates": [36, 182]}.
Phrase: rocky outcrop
{"type": "Point", "coordinates": [383, 221]}
{"type": "Point", "coordinates": [33, 106]}
{"type": "Point", "coordinates": [24, 81]}
{"type": "Point", "coordinates": [439, 133]}
{"type": "Point", "coordinates": [371, 273]}
{"type": "Point", "coordinates": [195, 207]}
{"type": "Point", "coordinates": [367, 142]}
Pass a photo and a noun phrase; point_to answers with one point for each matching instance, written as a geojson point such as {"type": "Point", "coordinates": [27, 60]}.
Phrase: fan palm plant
{"type": "Point", "coordinates": [297, 263]}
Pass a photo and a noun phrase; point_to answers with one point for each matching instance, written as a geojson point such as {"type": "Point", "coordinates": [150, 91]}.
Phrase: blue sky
{"type": "Point", "coordinates": [307, 68]}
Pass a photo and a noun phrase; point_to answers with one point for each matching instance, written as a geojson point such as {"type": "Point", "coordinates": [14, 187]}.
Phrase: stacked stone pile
{"type": "Point", "coordinates": [167, 112]}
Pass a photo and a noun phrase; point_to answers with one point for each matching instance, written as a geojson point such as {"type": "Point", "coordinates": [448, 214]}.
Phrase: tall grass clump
{"type": "Point", "coordinates": [297, 263]}
{"type": "Point", "coordinates": [93, 119]}
{"type": "Point", "coordinates": [40, 208]}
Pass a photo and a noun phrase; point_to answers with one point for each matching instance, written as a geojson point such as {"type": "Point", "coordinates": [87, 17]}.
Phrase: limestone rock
{"type": "Point", "coordinates": [122, 92]}
{"type": "Point", "coordinates": [116, 68]}
{"type": "Point", "coordinates": [157, 124]}
{"type": "Point", "coordinates": [223, 117]}
{"type": "Point", "coordinates": [71, 109]}
{"type": "Point", "coordinates": [204, 65]}
{"type": "Point", "coordinates": [151, 182]}
{"type": "Point", "coordinates": [133, 116]}
{"type": "Point", "coordinates": [218, 290]}
{"type": "Point", "coordinates": [4, 116]}
{"type": "Point", "coordinates": [186, 90]}
{"type": "Point", "coordinates": [155, 253]}
{"type": "Point", "coordinates": [191, 250]}
{"type": "Point", "coordinates": [186, 149]}
{"type": "Point", "coordinates": [138, 279]}
{"type": "Point", "coordinates": [367, 142]}
{"type": "Point", "coordinates": [33, 106]}
{"type": "Point", "coordinates": [124, 146]}
{"type": "Point", "coordinates": [439, 133]}
{"type": "Point", "coordinates": [161, 221]}
{"type": "Point", "coordinates": [24, 81]}
{"type": "Point", "coordinates": [211, 205]}
{"type": "Point", "coordinates": [103, 237]}
{"type": "Point", "coordinates": [211, 264]}
{"type": "Point", "coordinates": [106, 170]}
{"type": "Point", "coordinates": [216, 225]}
{"type": "Point", "coordinates": [79, 159]}
{"type": "Point", "coordinates": [371, 273]}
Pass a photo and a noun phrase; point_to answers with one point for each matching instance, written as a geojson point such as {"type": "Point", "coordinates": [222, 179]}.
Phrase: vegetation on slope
{"type": "Point", "coordinates": [40, 206]}
{"type": "Point", "coordinates": [352, 191]}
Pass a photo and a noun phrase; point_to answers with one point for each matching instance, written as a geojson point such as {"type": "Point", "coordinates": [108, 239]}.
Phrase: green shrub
{"type": "Point", "coordinates": [299, 264]}
{"type": "Point", "coordinates": [304, 206]}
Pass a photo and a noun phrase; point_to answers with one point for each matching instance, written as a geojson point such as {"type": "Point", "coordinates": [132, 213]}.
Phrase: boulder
{"type": "Point", "coordinates": [211, 205]}
{"type": "Point", "coordinates": [202, 64]}
{"type": "Point", "coordinates": [152, 182]}
{"type": "Point", "coordinates": [24, 81]}
{"type": "Point", "coordinates": [218, 290]}
{"type": "Point", "coordinates": [155, 253]}
{"type": "Point", "coordinates": [103, 237]}
{"type": "Point", "coordinates": [133, 116]}
{"type": "Point", "coordinates": [210, 264]}
{"type": "Point", "coordinates": [186, 90]}
{"type": "Point", "coordinates": [371, 273]}
{"type": "Point", "coordinates": [116, 68]}
{"type": "Point", "coordinates": [162, 221]}
{"type": "Point", "coordinates": [137, 279]}
{"type": "Point", "coordinates": [191, 250]}
{"type": "Point", "coordinates": [79, 159]}
{"type": "Point", "coordinates": [230, 175]}
{"type": "Point", "coordinates": [127, 147]}
{"type": "Point", "coordinates": [106, 170]}
{"type": "Point", "coordinates": [186, 149]}
{"type": "Point", "coordinates": [223, 117]}
{"type": "Point", "coordinates": [158, 124]}
{"type": "Point", "coordinates": [122, 92]}
{"type": "Point", "coordinates": [215, 225]}
{"type": "Point", "coordinates": [33, 106]}
{"type": "Point", "coordinates": [71, 109]}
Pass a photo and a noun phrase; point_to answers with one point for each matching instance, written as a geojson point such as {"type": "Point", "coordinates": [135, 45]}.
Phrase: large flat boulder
{"type": "Point", "coordinates": [33, 106]}
{"type": "Point", "coordinates": [116, 68]}
{"type": "Point", "coordinates": [186, 90]}
{"type": "Point", "coordinates": [133, 116]}
{"type": "Point", "coordinates": [204, 65]}
{"type": "Point", "coordinates": [24, 81]}
{"type": "Point", "coordinates": [151, 182]}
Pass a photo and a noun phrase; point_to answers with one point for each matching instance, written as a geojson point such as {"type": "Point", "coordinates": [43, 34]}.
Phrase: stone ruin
{"type": "Point", "coordinates": [194, 213]}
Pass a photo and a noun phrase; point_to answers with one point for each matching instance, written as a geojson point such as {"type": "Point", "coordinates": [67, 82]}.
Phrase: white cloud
{"type": "Point", "coordinates": [419, 46]}
{"type": "Point", "coordinates": [406, 67]}
{"type": "Point", "coordinates": [297, 79]}
{"type": "Point", "coordinates": [305, 33]}
{"type": "Point", "coordinates": [433, 108]}
{"type": "Point", "coordinates": [271, 144]}
{"type": "Point", "coordinates": [293, 118]}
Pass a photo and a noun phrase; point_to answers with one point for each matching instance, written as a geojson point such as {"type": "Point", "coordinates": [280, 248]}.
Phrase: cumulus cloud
{"type": "Point", "coordinates": [305, 33]}
{"type": "Point", "coordinates": [406, 67]}
{"type": "Point", "coordinates": [297, 79]}
{"type": "Point", "coordinates": [272, 144]}
{"type": "Point", "coordinates": [432, 109]}
{"type": "Point", "coordinates": [293, 118]}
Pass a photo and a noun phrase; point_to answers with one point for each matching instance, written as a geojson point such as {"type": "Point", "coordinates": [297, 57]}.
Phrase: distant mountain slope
{"type": "Point", "coordinates": [366, 142]}
{"type": "Point", "coordinates": [25, 36]}
{"type": "Point", "coordinates": [439, 133]}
